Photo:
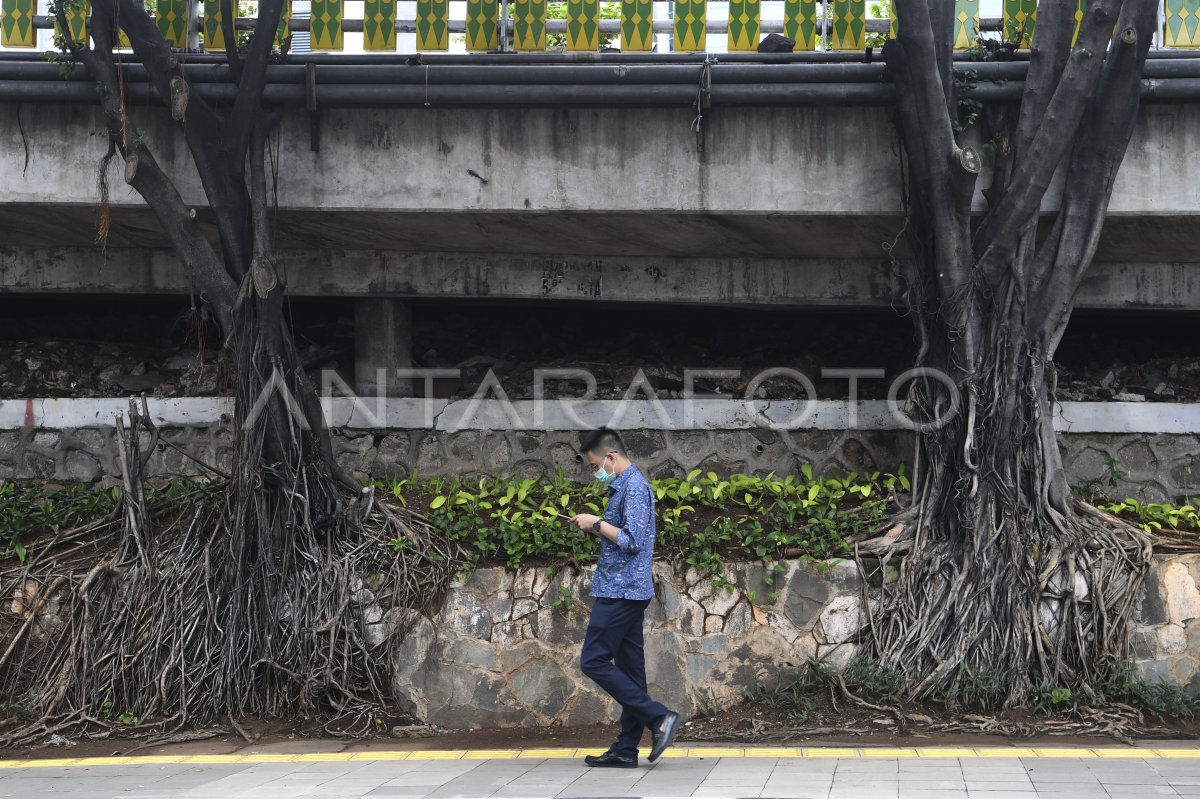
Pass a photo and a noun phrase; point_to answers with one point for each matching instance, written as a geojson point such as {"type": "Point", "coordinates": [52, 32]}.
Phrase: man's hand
{"type": "Point", "coordinates": [584, 521]}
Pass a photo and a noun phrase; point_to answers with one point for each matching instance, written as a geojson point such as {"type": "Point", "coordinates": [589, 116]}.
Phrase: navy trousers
{"type": "Point", "coordinates": [614, 656]}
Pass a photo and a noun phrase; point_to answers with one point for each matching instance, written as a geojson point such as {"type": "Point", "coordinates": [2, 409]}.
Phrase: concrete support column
{"type": "Point", "coordinates": [382, 340]}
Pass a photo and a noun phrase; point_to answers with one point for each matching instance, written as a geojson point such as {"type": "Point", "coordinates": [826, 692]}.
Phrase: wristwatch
{"type": "Point", "coordinates": [596, 526]}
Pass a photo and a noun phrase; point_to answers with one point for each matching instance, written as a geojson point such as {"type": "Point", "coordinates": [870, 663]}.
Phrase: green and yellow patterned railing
{"type": "Point", "coordinates": [527, 26]}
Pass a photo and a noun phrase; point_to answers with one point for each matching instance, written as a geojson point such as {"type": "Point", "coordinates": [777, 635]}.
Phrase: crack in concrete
{"type": "Point", "coordinates": [438, 416]}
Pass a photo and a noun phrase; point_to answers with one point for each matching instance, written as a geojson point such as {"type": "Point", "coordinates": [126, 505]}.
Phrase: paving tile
{"type": "Point", "coordinates": [1063, 777]}
{"type": "Point", "coordinates": [922, 762]}
{"type": "Point", "coordinates": [868, 765]}
{"type": "Point", "coordinates": [925, 775]}
{"type": "Point", "coordinates": [1134, 778]}
{"type": "Point", "coordinates": [266, 792]}
{"type": "Point", "coordinates": [672, 778]}
{"type": "Point", "coordinates": [365, 786]}
{"type": "Point", "coordinates": [865, 788]}
{"type": "Point", "coordinates": [999, 785]}
{"type": "Point", "coordinates": [682, 770]}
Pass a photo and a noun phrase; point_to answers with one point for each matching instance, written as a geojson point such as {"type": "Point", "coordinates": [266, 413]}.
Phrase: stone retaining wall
{"type": "Point", "coordinates": [1156, 466]}
{"type": "Point", "coordinates": [504, 648]}
{"type": "Point", "coordinates": [1166, 637]}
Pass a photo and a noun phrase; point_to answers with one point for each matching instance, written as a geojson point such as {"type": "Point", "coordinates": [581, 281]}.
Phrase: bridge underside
{"type": "Point", "coordinates": [775, 260]}
{"type": "Point", "coordinates": [782, 206]}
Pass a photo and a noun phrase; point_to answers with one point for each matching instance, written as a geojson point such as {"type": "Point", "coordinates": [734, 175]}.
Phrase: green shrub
{"type": "Point", "coordinates": [704, 520]}
{"type": "Point", "coordinates": [32, 514]}
{"type": "Point", "coordinates": [1154, 516]}
{"type": "Point", "coordinates": [28, 514]}
{"type": "Point", "coordinates": [1164, 700]}
{"type": "Point", "coordinates": [785, 691]}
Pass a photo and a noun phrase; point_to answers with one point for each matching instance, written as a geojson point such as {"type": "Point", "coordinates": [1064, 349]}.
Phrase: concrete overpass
{"type": "Point", "coordinates": [782, 199]}
{"type": "Point", "coordinates": [786, 205]}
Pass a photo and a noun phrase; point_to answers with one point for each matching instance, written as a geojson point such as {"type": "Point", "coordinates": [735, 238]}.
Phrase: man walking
{"type": "Point", "coordinates": [613, 652]}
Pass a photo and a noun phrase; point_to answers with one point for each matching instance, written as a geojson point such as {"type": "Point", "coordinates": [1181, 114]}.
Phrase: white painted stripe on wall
{"type": "Point", "coordinates": [709, 414]}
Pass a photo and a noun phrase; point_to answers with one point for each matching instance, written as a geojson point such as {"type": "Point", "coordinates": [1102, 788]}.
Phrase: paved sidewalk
{"type": "Point", "coordinates": [828, 773]}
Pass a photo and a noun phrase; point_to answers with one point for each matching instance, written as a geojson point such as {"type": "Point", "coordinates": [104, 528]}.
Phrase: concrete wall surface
{"type": "Point", "coordinates": [784, 206]}
{"type": "Point", "coordinates": [1156, 446]}
{"type": "Point", "coordinates": [789, 160]}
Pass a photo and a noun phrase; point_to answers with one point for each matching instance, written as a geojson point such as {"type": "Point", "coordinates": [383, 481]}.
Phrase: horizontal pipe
{"type": "Point", "coordinates": [991, 79]}
{"type": "Point", "coordinates": [563, 74]}
{"type": "Point", "coordinates": [1172, 68]}
{"type": "Point", "coordinates": [630, 74]}
{"type": "Point", "coordinates": [542, 95]}
{"type": "Point", "coordinates": [467, 96]}
{"type": "Point", "coordinates": [375, 95]}
{"type": "Point", "coordinates": [599, 87]}
{"type": "Point", "coordinates": [1171, 89]}
{"type": "Point", "coordinates": [397, 74]}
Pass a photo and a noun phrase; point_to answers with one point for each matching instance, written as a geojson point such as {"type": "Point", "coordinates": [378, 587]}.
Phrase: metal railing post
{"type": "Point", "coordinates": [504, 26]}
{"type": "Point", "coordinates": [191, 38]}
{"type": "Point", "coordinates": [825, 25]}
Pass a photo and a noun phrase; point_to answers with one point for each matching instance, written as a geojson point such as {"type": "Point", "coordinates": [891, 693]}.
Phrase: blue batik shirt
{"type": "Point", "coordinates": [625, 568]}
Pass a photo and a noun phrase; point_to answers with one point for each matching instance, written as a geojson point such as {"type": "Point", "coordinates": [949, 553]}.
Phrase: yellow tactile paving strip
{"type": "Point", "coordinates": [850, 753]}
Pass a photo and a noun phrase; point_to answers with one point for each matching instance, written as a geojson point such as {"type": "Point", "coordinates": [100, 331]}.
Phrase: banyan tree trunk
{"type": "Point", "coordinates": [1006, 581]}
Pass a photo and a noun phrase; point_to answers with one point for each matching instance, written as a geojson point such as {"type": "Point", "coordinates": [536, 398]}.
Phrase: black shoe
{"type": "Point", "coordinates": [663, 736]}
{"type": "Point", "coordinates": [611, 759]}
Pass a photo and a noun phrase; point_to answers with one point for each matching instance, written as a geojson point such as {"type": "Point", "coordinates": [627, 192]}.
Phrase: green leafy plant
{"type": "Point", "coordinates": [788, 689]}
{"type": "Point", "coordinates": [983, 690]}
{"type": "Point", "coordinates": [785, 691]}
{"type": "Point", "coordinates": [1153, 516]}
{"type": "Point", "coordinates": [30, 514]}
{"type": "Point", "coordinates": [704, 520]}
{"type": "Point", "coordinates": [1050, 700]}
{"type": "Point", "coordinates": [968, 109]}
{"type": "Point", "coordinates": [1164, 700]}
{"type": "Point", "coordinates": [707, 704]}
{"type": "Point", "coordinates": [564, 603]}
{"type": "Point", "coordinates": [873, 680]}
{"type": "Point", "coordinates": [33, 514]}
{"type": "Point", "coordinates": [1113, 474]}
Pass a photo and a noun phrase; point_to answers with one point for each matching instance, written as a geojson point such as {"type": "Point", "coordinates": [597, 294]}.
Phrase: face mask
{"type": "Point", "coordinates": [605, 477]}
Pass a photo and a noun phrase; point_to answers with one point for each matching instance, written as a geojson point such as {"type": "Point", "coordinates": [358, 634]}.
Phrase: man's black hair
{"type": "Point", "coordinates": [602, 440]}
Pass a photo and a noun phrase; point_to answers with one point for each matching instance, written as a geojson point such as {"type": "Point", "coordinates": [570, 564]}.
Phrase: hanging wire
{"type": "Point", "coordinates": [703, 95]}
